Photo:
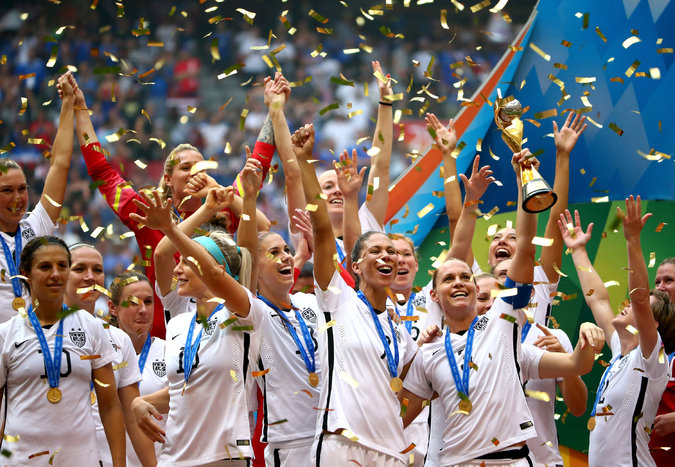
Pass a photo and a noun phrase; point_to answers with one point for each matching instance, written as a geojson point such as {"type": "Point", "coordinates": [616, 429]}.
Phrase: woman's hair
{"type": "Point", "coordinates": [77, 246]}
{"type": "Point", "coordinates": [7, 164]}
{"type": "Point", "coordinates": [397, 236]}
{"type": "Point", "coordinates": [29, 250]}
{"type": "Point", "coordinates": [664, 314]}
{"type": "Point", "coordinates": [485, 275]}
{"type": "Point", "coordinates": [449, 258]}
{"type": "Point", "coordinates": [120, 281]}
{"type": "Point", "coordinates": [169, 164]}
{"type": "Point", "coordinates": [670, 260]}
{"type": "Point", "coordinates": [238, 259]}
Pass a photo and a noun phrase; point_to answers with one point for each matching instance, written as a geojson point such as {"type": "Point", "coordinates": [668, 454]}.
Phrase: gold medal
{"type": "Point", "coordinates": [92, 395]}
{"type": "Point", "coordinates": [591, 424]}
{"type": "Point", "coordinates": [54, 395]}
{"type": "Point", "coordinates": [465, 405]}
{"type": "Point", "coordinates": [396, 384]}
{"type": "Point", "coordinates": [18, 303]}
{"type": "Point", "coordinates": [313, 379]}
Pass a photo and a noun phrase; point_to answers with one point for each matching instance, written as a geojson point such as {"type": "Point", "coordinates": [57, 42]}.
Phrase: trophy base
{"type": "Point", "coordinates": [538, 196]}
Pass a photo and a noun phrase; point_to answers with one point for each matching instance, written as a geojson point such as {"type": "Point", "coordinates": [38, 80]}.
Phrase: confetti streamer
{"type": "Point", "coordinates": [540, 52]}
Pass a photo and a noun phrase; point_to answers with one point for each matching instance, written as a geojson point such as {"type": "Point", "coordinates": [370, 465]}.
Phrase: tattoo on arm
{"type": "Point", "coordinates": [266, 134]}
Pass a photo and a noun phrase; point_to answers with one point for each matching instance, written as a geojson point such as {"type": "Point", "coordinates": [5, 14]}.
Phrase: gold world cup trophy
{"type": "Point", "coordinates": [537, 194]}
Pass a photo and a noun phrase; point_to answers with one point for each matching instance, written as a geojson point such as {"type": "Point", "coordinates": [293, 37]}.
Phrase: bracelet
{"type": "Point", "coordinates": [390, 104]}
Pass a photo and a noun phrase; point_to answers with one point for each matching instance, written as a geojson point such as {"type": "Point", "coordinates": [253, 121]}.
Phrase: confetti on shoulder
{"type": "Point", "coordinates": [89, 357]}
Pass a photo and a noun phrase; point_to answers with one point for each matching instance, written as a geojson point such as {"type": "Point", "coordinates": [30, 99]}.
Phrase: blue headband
{"type": "Point", "coordinates": [214, 250]}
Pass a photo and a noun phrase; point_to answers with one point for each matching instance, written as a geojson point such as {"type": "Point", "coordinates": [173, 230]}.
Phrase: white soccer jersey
{"type": "Point", "coordinates": [368, 223]}
{"type": "Point", "coordinates": [36, 224]}
{"type": "Point", "coordinates": [544, 447]}
{"type": "Point", "coordinates": [500, 417]}
{"type": "Point", "coordinates": [286, 390]}
{"type": "Point", "coordinates": [355, 391]}
{"type": "Point", "coordinates": [41, 427]}
{"type": "Point", "coordinates": [175, 305]}
{"type": "Point", "coordinates": [540, 303]}
{"type": "Point", "coordinates": [209, 421]}
{"type": "Point", "coordinates": [154, 379]}
{"type": "Point", "coordinates": [125, 369]}
{"type": "Point", "coordinates": [631, 393]}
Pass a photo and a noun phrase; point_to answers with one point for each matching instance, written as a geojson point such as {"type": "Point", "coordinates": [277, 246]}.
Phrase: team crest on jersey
{"type": "Point", "coordinates": [28, 233]}
{"type": "Point", "coordinates": [210, 326]}
{"type": "Point", "coordinates": [159, 368]}
{"type": "Point", "coordinates": [78, 338]}
{"type": "Point", "coordinates": [308, 314]}
{"type": "Point", "coordinates": [420, 301]}
{"type": "Point", "coordinates": [114, 346]}
{"type": "Point", "coordinates": [398, 334]}
{"type": "Point", "coordinates": [481, 324]}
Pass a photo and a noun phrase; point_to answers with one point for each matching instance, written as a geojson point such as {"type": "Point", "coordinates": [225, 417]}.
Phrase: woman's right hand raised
{"type": "Point", "coordinates": [157, 213]}
{"type": "Point", "coordinates": [572, 233]}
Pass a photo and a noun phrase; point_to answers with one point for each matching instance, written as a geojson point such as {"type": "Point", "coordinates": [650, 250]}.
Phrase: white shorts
{"type": "Point", "coordinates": [295, 453]}
{"type": "Point", "coordinates": [418, 433]}
{"type": "Point", "coordinates": [336, 450]}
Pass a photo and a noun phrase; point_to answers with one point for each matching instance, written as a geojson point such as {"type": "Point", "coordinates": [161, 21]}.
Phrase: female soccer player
{"type": "Point", "coordinates": [48, 360]}
{"type": "Point", "coordinates": [181, 182]}
{"type": "Point", "coordinates": [83, 289]}
{"type": "Point", "coordinates": [363, 353]}
{"type": "Point", "coordinates": [131, 309]}
{"type": "Point", "coordinates": [631, 387]}
{"type": "Point", "coordinates": [15, 231]}
{"type": "Point", "coordinates": [206, 351]}
{"type": "Point", "coordinates": [483, 423]}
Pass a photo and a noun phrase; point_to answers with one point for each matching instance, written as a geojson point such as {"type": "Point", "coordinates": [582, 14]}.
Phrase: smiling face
{"type": "Point", "coordinates": [49, 273]}
{"type": "Point", "coordinates": [377, 265]}
{"type": "Point", "coordinates": [503, 246]}
{"type": "Point", "coordinates": [665, 280]}
{"type": "Point", "coordinates": [275, 264]}
{"type": "Point", "coordinates": [134, 311]}
{"type": "Point", "coordinates": [501, 269]}
{"type": "Point", "coordinates": [86, 270]}
{"type": "Point", "coordinates": [484, 298]}
{"type": "Point", "coordinates": [334, 198]}
{"type": "Point", "coordinates": [407, 266]}
{"type": "Point", "coordinates": [454, 289]}
{"type": "Point", "coordinates": [13, 198]}
{"type": "Point", "coordinates": [189, 284]}
{"type": "Point", "coordinates": [180, 174]}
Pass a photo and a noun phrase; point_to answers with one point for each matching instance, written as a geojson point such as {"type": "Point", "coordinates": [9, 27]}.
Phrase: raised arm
{"type": "Point", "coordinates": [521, 268]}
{"type": "Point", "coordinates": [324, 240]}
{"type": "Point", "coordinates": [382, 141]}
{"type": "Point", "coordinates": [247, 234]}
{"type": "Point", "coordinates": [475, 188]}
{"type": "Point", "coordinates": [275, 99]}
{"type": "Point", "coordinates": [638, 279]}
{"type": "Point", "coordinates": [62, 151]}
{"type": "Point", "coordinates": [565, 140]}
{"type": "Point", "coordinates": [580, 362]}
{"type": "Point", "coordinates": [217, 199]}
{"type": "Point", "coordinates": [214, 276]}
{"type": "Point", "coordinates": [350, 180]}
{"type": "Point", "coordinates": [445, 139]}
{"type": "Point", "coordinates": [594, 290]}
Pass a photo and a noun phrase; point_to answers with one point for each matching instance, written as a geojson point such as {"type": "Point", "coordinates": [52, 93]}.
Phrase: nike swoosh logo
{"type": "Point", "coordinates": [175, 336]}
{"type": "Point", "coordinates": [19, 344]}
{"type": "Point", "coordinates": [435, 352]}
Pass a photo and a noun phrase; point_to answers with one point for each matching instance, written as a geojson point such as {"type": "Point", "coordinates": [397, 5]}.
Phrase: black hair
{"type": "Point", "coordinates": [29, 250]}
{"type": "Point", "coordinates": [664, 314]}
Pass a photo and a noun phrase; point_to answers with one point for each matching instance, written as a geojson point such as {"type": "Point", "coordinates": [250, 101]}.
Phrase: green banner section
{"type": "Point", "coordinates": [608, 254]}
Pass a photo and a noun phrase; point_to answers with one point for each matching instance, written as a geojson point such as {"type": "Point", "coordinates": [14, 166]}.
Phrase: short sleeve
{"type": "Point", "coordinates": [256, 312]}
{"type": "Point", "coordinates": [409, 344]}
{"type": "Point", "coordinates": [615, 345]}
{"type": "Point", "coordinates": [129, 373]}
{"type": "Point", "coordinates": [40, 221]}
{"type": "Point", "coordinates": [368, 221]}
{"type": "Point", "coordinates": [335, 295]}
{"type": "Point", "coordinates": [100, 341]}
{"type": "Point", "coordinates": [530, 356]}
{"type": "Point", "coordinates": [173, 303]}
{"type": "Point", "coordinates": [4, 358]}
{"type": "Point", "coordinates": [416, 380]}
{"type": "Point", "coordinates": [656, 365]}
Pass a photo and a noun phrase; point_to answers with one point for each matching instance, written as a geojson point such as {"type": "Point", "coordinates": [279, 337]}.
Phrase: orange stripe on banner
{"type": "Point", "coordinates": [414, 178]}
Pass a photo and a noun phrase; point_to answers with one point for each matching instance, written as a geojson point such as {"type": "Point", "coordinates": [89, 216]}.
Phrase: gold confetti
{"type": "Point", "coordinates": [103, 385]}
{"type": "Point", "coordinates": [203, 166]}
{"type": "Point", "coordinates": [546, 114]}
{"type": "Point", "coordinates": [666, 50]}
{"type": "Point", "coordinates": [599, 32]}
{"type": "Point", "coordinates": [256, 374]}
{"type": "Point", "coordinates": [540, 52]}
{"type": "Point", "coordinates": [457, 4]}
{"type": "Point", "coordinates": [479, 6]}
{"type": "Point", "coordinates": [631, 69]}
{"type": "Point", "coordinates": [611, 284]}
{"type": "Point", "coordinates": [120, 365]}
{"type": "Point", "coordinates": [630, 41]}
{"type": "Point", "coordinates": [631, 329]}
{"type": "Point", "coordinates": [425, 210]}
{"type": "Point", "coordinates": [348, 379]}
{"type": "Point", "coordinates": [560, 273]}
{"type": "Point", "coordinates": [659, 227]}
{"type": "Point", "coordinates": [329, 324]}
{"type": "Point", "coordinates": [600, 199]}
{"type": "Point", "coordinates": [542, 241]}
{"type": "Point", "coordinates": [538, 395]}
{"type": "Point", "coordinates": [613, 126]}
{"type": "Point", "coordinates": [24, 105]}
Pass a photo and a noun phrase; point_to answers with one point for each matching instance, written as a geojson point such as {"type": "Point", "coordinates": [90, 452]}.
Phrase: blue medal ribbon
{"type": "Point", "coordinates": [340, 253]}
{"type": "Point", "coordinates": [191, 346]}
{"type": "Point", "coordinates": [409, 312]}
{"type": "Point", "coordinates": [13, 262]}
{"type": "Point", "coordinates": [308, 353]}
{"type": "Point", "coordinates": [53, 366]}
{"type": "Point", "coordinates": [525, 331]}
{"type": "Point", "coordinates": [392, 361]}
{"type": "Point", "coordinates": [143, 356]}
{"type": "Point", "coordinates": [461, 383]}
{"type": "Point", "coordinates": [600, 386]}
{"type": "Point", "coordinates": [670, 356]}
